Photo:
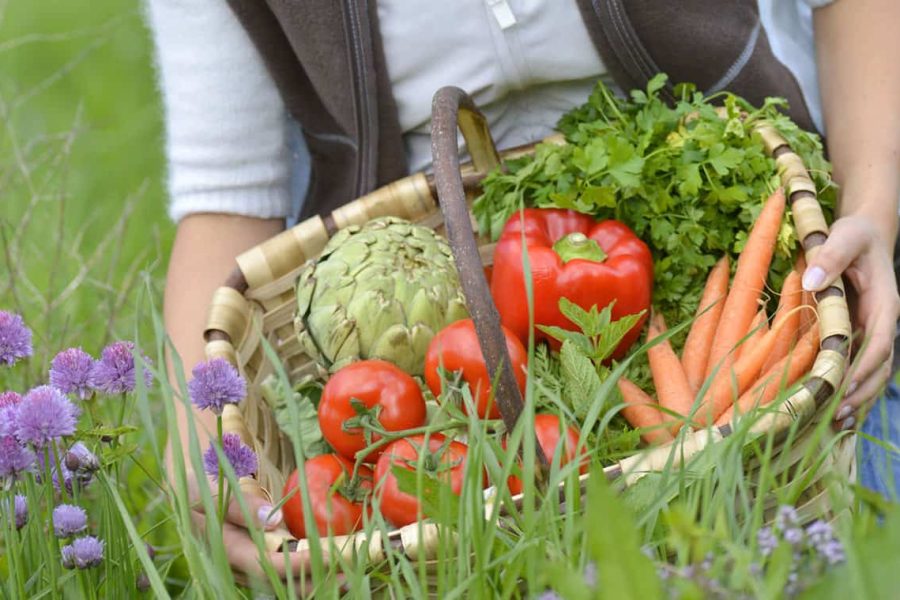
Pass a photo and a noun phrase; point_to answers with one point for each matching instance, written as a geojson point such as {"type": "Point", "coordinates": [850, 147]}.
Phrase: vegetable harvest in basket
{"type": "Point", "coordinates": [636, 221]}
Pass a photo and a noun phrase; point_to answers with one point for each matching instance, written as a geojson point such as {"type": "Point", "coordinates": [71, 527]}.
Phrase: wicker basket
{"type": "Point", "coordinates": [258, 302]}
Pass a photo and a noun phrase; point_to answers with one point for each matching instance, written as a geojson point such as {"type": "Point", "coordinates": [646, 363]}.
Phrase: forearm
{"type": "Point", "coordinates": [202, 257]}
{"type": "Point", "coordinates": [857, 47]}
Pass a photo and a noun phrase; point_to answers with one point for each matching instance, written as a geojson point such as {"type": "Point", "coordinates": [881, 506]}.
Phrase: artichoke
{"type": "Point", "coordinates": [382, 290]}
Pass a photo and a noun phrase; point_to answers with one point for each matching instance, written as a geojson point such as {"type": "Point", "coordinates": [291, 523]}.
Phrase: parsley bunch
{"type": "Point", "coordinates": [688, 180]}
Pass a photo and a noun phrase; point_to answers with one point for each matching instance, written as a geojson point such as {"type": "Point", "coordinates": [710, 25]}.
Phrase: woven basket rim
{"type": "Point", "coordinates": [253, 299]}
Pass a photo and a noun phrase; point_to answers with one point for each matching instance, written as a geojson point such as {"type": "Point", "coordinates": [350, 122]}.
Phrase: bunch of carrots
{"type": "Point", "coordinates": [733, 360]}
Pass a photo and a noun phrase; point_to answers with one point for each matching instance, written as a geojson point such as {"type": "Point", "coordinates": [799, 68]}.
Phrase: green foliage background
{"type": "Point", "coordinates": [80, 147]}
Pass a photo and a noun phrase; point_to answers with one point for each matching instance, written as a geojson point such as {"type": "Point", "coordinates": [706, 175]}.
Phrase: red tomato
{"type": "Point", "coordinates": [394, 397]}
{"type": "Point", "coordinates": [447, 461]}
{"type": "Point", "coordinates": [547, 433]}
{"type": "Point", "coordinates": [335, 513]}
{"type": "Point", "coordinates": [456, 348]}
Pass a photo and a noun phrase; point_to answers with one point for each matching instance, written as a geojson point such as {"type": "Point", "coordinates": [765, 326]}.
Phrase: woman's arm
{"type": "Point", "coordinates": [202, 258]}
{"type": "Point", "coordinates": [857, 46]}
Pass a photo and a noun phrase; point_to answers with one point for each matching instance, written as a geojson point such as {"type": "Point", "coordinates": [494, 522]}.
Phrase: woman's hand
{"type": "Point", "coordinates": [243, 554]}
{"type": "Point", "coordinates": [856, 249]}
{"type": "Point", "coordinates": [856, 50]}
{"type": "Point", "coordinates": [202, 257]}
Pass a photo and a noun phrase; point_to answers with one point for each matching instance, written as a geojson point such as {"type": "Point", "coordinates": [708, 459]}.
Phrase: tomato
{"type": "Point", "coordinates": [445, 460]}
{"type": "Point", "coordinates": [393, 397]}
{"type": "Point", "coordinates": [456, 348]}
{"type": "Point", "coordinates": [547, 433]}
{"type": "Point", "coordinates": [335, 513]}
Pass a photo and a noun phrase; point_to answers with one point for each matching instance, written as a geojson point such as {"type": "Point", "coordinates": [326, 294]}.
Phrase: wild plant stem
{"type": "Point", "coordinates": [50, 558]}
{"type": "Point", "coordinates": [221, 496]}
{"type": "Point", "coordinates": [17, 547]}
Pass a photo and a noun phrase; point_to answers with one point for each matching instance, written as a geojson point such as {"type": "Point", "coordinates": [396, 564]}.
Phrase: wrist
{"type": "Point", "coordinates": [875, 196]}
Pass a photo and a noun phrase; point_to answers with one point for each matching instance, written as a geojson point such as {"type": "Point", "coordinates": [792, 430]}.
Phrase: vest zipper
{"type": "Point", "coordinates": [363, 90]}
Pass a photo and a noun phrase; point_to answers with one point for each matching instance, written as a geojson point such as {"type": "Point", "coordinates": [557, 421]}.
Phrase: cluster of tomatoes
{"type": "Point", "coordinates": [373, 414]}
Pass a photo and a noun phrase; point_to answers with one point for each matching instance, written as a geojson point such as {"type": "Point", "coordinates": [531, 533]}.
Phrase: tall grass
{"type": "Point", "coordinates": [83, 249]}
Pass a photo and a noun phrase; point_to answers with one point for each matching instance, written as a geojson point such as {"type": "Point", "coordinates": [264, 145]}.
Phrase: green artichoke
{"type": "Point", "coordinates": [382, 290]}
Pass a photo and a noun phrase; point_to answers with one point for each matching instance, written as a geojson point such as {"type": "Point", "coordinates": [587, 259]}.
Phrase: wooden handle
{"type": "Point", "coordinates": [452, 108]}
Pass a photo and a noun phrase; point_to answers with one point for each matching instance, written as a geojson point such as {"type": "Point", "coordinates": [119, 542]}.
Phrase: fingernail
{"type": "Point", "coordinates": [813, 278]}
{"type": "Point", "coordinates": [849, 423]}
{"type": "Point", "coordinates": [843, 412]}
{"type": "Point", "coordinates": [852, 387]}
{"type": "Point", "coordinates": [265, 518]}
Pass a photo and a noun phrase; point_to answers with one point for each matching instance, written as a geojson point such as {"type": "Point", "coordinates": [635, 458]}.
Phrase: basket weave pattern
{"type": "Point", "coordinates": [258, 302]}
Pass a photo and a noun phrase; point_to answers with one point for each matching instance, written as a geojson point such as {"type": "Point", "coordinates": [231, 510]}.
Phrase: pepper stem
{"type": "Point", "coordinates": [578, 245]}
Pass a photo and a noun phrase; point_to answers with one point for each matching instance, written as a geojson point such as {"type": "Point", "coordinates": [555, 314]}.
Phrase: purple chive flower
{"type": "Point", "coordinates": [590, 574]}
{"type": "Point", "coordinates": [794, 536]}
{"type": "Point", "coordinates": [766, 540]}
{"type": "Point", "coordinates": [215, 384]}
{"type": "Point", "coordinates": [14, 458]}
{"type": "Point", "coordinates": [832, 552]}
{"type": "Point", "coordinates": [83, 553]}
{"type": "Point", "coordinates": [81, 460]}
{"type": "Point", "coordinates": [70, 372]}
{"type": "Point", "coordinates": [549, 595]}
{"type": "Point", "coordinates": [786, 518]}
{"type": "Point", "coordinates": [821, 538]}
{"type": "Point", "coordinates": [68, 520]}
{"type": "Point", "coordinates": [45, 414]}
{"type": "Point", "coordinates": [114, 372]}
{"type": "Point", "coordinates": [9, 398]}
{"type": "Point", "coordinates": [15, 338]}
{"type": "Point", "coordinates": [241, 457]}
{"type": "Point", "coordinates": [9, 408]}
{"type": "Point", "coordinates": [68, 477]}
{"type": "Point", "coordinates": [21, 511]}
{"type": "Point", "coordinates": [819, 532]}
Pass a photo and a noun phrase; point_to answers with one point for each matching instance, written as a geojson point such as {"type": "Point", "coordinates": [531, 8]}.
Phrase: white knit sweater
{"type": "Point", "coordinates": [227, 129]}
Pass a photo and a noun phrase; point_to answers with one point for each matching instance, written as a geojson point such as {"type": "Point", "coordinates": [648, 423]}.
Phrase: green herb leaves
{"type": "Point", "coordinates": [689, 179]}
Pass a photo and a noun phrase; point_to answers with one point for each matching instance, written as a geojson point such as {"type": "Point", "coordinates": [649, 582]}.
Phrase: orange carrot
{"type": "Point", "coordinates": [643, 413]}
{"type": "Point", "coordinates": [749, 281]}
{"type": "Point", "coordinates": [758, 328]}
{"type": "Point", "coordinates": [788, 302]}
{"type": "Point", "coordinates": [784, 373]}
{"type": "Point", "coordinates": [695, 354]}
{"type": "Point", "coordinates": [739, 377]}
{"type": "Point", "coordinates": [672, 387]}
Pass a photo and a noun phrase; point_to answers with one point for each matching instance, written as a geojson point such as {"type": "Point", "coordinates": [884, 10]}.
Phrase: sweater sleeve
{"type": "Point", "coordinates": [226, 125]}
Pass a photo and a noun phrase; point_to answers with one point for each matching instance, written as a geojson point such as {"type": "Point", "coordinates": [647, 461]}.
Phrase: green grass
{"type": "Point", "coordinates": [81, 164]}
{"type": "Point", "coordinates": [84, 244]}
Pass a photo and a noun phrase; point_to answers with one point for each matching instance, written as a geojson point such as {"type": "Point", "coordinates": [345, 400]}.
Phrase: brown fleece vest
{"type": "Point", "coordinates": [327, 60]}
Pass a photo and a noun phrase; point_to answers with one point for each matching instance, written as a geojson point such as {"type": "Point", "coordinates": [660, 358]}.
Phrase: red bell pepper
{"type": "Point", "coordinates": [571, 255]}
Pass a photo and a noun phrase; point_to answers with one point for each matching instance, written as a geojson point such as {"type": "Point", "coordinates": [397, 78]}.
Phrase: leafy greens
{"type": "Point", "coordinates": [689, 179]}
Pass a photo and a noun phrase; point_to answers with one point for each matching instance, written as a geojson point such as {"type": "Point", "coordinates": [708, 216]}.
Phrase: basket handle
{"type": "Point", "coordinates": [452, 108]}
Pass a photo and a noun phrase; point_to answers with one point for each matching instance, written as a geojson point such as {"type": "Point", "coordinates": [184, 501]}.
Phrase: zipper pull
{"type": "Point", "coordinates": [503, 13]}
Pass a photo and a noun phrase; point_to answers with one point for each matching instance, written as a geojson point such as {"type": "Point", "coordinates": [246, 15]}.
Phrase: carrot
{"type": "Point", "coordinates": [672, 387]}
{"type": "Point", "coordinates": [695, 354]}
{"type": "Point", "coordinates": [782, 374]}
{"type": "Point", "coordinates": [740, 376]}
{"type": "Point", "coordinates": [758, 328]}
{"type": "Point", "coordinates": [788, 303]}
{"type": "Point", "coordinates": [643, 413]}
{"type": "Point", "coordinates": [749, 281]}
